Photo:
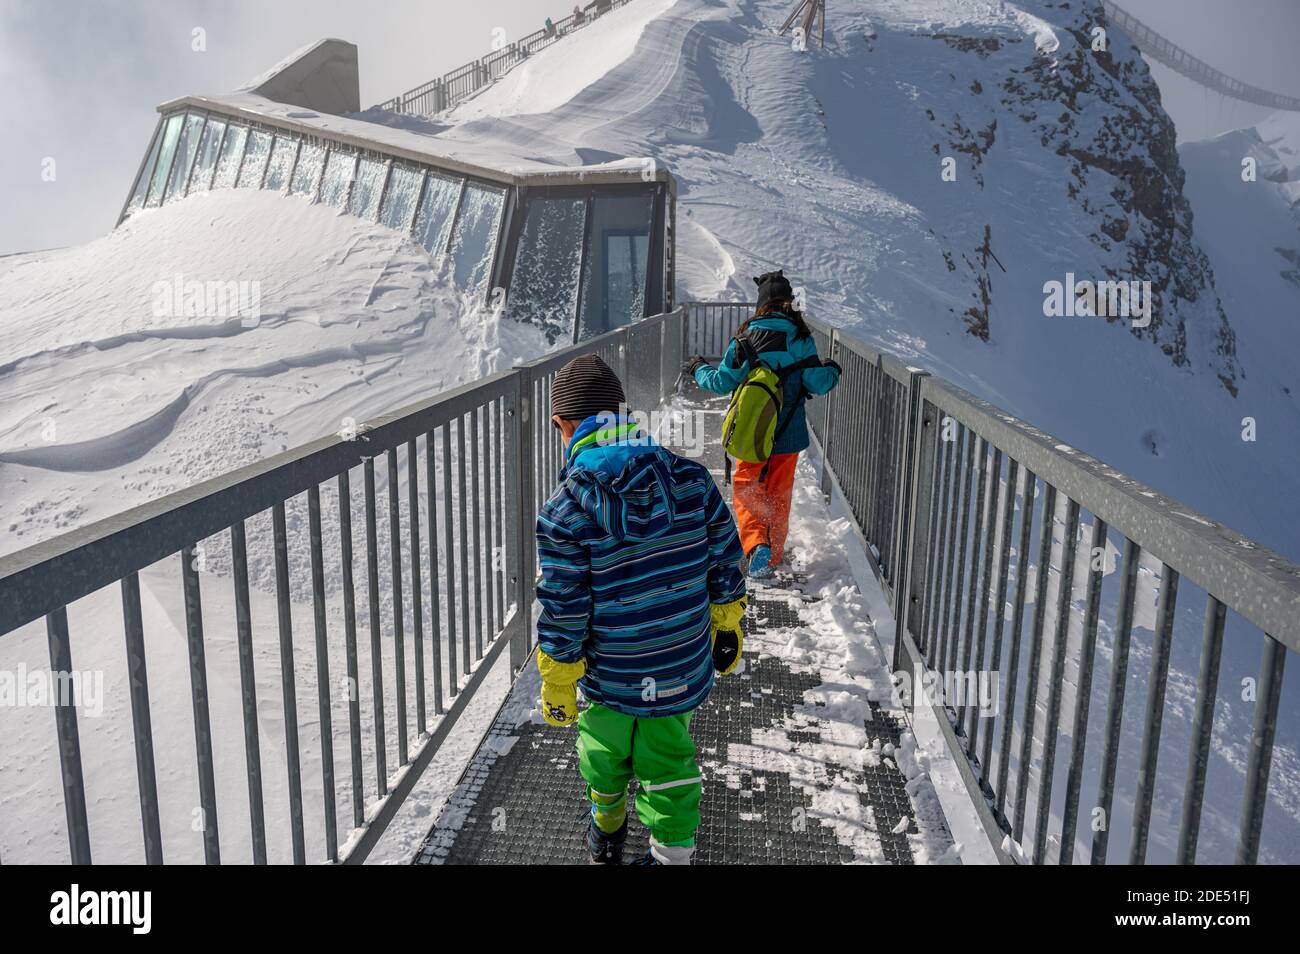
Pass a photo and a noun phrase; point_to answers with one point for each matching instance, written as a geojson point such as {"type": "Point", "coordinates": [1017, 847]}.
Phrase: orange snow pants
{"type": "Point", "coordinates": [763, 509]}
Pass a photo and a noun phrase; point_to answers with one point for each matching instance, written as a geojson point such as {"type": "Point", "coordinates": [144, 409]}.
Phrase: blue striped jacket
{"type": "Point", "coordinates": [634, 545]}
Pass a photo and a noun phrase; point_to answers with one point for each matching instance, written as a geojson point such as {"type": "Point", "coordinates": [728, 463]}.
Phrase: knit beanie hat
{"type": "Point", "coordinates": [585, 387]}
{"type": "Point", "coordinates": [773, 286]}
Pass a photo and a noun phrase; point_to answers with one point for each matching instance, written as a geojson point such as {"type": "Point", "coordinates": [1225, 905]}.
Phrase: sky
{"type": "Point", "coordinates": [81, 78]}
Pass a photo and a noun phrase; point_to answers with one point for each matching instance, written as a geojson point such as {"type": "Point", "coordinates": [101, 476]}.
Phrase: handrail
{"type": "Point", "coordinates": [470, 555]}
{"type": "Point", "coordinates": [1194, 68]}
{"type": "Point", "coordinates": [443, 92]}
{"type": "Point", "coordinates": [938, 484]}
{"type": "Point", "coordinates": [43, 577]}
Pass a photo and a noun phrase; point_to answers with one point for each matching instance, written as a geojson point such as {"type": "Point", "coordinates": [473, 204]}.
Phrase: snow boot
{"type": "Point", "coordinates": [760, 562]}
{"type": "Point", "coordinates": [660, 854]}
{"type": "Point", "coordinates": [606, 848]}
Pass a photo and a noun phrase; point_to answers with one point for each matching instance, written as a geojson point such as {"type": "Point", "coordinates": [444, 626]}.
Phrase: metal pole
{"type": "Point", "coordinates": [65, 723]}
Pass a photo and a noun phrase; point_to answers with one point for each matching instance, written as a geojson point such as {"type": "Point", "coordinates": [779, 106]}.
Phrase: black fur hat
{"type": "Point", "coordinates": [773, 286]}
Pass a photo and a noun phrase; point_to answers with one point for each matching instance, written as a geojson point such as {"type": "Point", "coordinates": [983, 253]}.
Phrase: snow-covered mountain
{"type": "Point", "coordinates": [1245, 189]}
{"type": "Point", "coordinates": [830, 163]}
{"type": "Point", "coordinates": [922, 178]}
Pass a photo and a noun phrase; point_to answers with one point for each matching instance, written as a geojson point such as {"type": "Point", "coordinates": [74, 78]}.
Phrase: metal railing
{"type": "Point", "coordinates": [956, 503]}
{"type": "Point", "coordinates": [452, 483]}
{"type": "Point", "coordinates": [943, 488]}
{"type": "Point", "coordinates": [455, 86]}
{"type": "Point", "coordinates": [938, 484]}
{"type": "Point", "coordinates": [713, 324]}
{"type": "Point", "coordinates": [1180, 61]}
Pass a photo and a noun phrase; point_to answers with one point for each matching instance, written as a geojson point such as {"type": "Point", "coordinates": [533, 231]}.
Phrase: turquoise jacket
{"type": "Point", "coordinates": [773, 337]}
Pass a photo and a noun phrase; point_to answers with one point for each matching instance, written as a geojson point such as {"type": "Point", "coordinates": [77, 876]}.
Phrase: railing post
{"type": "Point", "coordinates": [922, 442]}
{"type": "Point", "coordinates": [828, 417]}
{"type": "Point", "coordinates": [519, 509]}
{"type": "Point", "coordinates": [904, 504]}
{"type": "Point", "coordinates": [686, 329]}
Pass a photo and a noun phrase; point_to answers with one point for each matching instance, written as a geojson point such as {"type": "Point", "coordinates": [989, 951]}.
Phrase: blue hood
{"type": "Point", "coordinates": [625, 486]}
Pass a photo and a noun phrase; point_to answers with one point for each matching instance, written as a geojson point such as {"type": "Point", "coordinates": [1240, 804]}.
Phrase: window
{"type": "Point", "coordinates": [614, 279]}
{"type": "Point", "coordinates": [277, 170]}
{"type": "Point", "coordinates": [232, 152]}
{"type": "Point", "coordinates": [544, 289]}
{"type": "Point", "coordinates": [306, 175]}
{"type": "Point", "coordinates": [259, 148]}
{"type": "Point", "coordinates": [433, 224]}
{"type": "Point", "coordinates": [209, 147]}
{"type": "Point", "coordinates": [146, 173]}
{"type": "Point", "coordinates": [186, 147]}
{"type": "Point", "coordinates": [171, 133]}
{"type": "Point", "coordinates": [364, 201]}
{"type": "Point", "coordinates": [474, 243]}
{"type": "Point", "coordinates": [400, 196]}
{"type": "Point", "coordinates": [338, 176]}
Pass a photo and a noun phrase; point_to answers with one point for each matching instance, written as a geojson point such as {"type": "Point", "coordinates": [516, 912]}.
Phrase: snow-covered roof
{"type": "Point", "coordinates": [421, 140]}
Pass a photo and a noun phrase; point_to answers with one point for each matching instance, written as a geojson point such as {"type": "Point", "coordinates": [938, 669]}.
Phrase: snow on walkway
{"type": "Point", "coordinates": [805, 757]}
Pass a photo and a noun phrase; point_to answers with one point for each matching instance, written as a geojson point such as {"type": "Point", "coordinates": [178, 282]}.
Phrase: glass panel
{"type": "Point", "coordinates": [259, 147]}
{"type": "Point", "coordinates": [146, 175]}
{"type": "Point", "coordinates": [433, 224]}
{"type": "Point", "coordinates": [399, 199]}
{"type": "Point", "coordinates": [171, 132]}
{"type": "Point", "coordinates": [231, 154]}
{"type": "Point", "coordinates": [338, 174]}
{"type": "Point", "coordinates": [364, 201]}
{"type": "Point", "coordinates": [277, 173]}
{"type": "Point", "coordinates": [186, 147]}
{"type": "Point", "coordinates": [209, 145]}
{"type": "Point", "coordinates": [613, 281]}
{"type": "Point", "coordinates": [475, 241]}
{"type": "Point", "coordinates": [311, 159]}
{"type": "Point", "coordinates": [544, 289]}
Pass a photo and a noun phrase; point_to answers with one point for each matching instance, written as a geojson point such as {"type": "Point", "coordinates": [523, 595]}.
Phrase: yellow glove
{"type": "Point", "coordinates": [727, 638]}
{"type": "Point", "coordinates": [559, 689]}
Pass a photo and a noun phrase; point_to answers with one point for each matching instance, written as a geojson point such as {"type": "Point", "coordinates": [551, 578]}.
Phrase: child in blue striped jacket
{"type": "Point", "coordinates": [642, 596]}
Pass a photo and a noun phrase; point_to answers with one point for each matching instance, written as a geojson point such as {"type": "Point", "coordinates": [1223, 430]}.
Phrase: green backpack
{"type": "Point", "coordinates": [749, 429]}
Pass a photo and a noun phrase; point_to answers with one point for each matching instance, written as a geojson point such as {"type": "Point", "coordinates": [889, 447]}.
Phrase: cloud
{"type": "Point", "coordinates": [84, 81]}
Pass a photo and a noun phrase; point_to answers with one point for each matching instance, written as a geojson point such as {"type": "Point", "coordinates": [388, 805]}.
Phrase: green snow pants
{"type": "Point", "coordinates": [659, 752]}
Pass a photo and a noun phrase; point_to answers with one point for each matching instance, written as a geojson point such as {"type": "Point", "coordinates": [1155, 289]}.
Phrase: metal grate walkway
{"type": "Point", "coordinates": [522, 801]}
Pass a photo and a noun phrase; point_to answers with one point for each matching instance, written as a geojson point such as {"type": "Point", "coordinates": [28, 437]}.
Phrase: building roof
{"type": "Point", "coordinates": [426, 141]}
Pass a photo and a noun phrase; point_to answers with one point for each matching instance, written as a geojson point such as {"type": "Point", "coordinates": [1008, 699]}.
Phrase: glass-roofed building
{"type": "Point", "coordinates": [575, 250]}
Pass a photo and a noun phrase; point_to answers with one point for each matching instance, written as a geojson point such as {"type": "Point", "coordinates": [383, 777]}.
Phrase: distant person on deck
{"type": "Point", "coordinates": [780, 338]}
{"type": "Point", "coordinates": [641, 597]}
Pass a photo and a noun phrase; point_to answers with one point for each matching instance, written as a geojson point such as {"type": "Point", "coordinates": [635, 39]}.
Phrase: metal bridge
{"type": "Point", "coordinates": [980, 531]}
{"type": "Point", "coordinates": [1180, 61]}
{"type": "Point", "coordinates": [455, 86]}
